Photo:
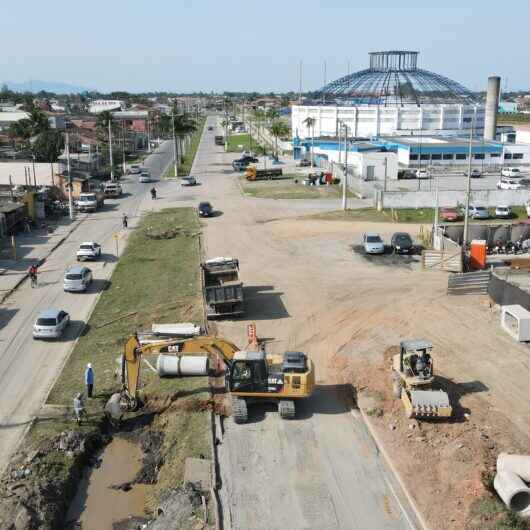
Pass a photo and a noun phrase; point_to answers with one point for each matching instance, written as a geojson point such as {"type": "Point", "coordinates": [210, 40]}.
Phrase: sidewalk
{"type": "Point", "coordinates": [33, 247]}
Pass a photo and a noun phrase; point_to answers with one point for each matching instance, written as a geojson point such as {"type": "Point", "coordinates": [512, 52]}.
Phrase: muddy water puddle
{"type": "Point", "coordinates": [97, 505]}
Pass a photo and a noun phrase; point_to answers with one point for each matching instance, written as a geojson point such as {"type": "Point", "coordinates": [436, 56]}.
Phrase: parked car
{"type": "Point", "coordinates": [510, 172]}
{"type": "Point", "coordinates": [188, 181]}
{"type": "Point", "coordinates": [449, 214]}
{"type": "Point", "coordinates": [304, 163]}
{"type": "Point", "coordinates": [479, 212]}
{"type": "Point", "coordinates": [421, 173]}
{"type": "Point", "coordinates": [77, 278]}
{"type": "Point", "coordinates": [503, 212]}
{"type": "Point", "coordinates": [241, 163]}
{"type": "Point", "coordinates": [50, 324]}
{"type": "Point", "coordinates": [145, 176]}
{"type": "Point", "coordinates": [402, 243]}
{"type": "Point", "coordinates": [373, 244]}
{"type": "Point", "coordinates": [508, 184]}
{"type": "Point", "coordinates": [135, 169]}
{"type": "Point", "coordinates": [475, 173]}
{"type": "Point", "coordinates": [205, 209]}
{"type": "Point", "coordinates": [88, 250]}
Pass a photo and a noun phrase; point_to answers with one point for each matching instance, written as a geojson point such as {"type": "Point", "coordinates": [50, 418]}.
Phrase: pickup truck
{"type": "Point", "coordinates": [241, 163]}
{"type": "Point", "coordinates": [222, 288]}
{"type": "Point", "coordinates": [88, 250]}
{"type": "Point", "coordinates": [90, 202]}
{"type": "Point", "coordinates": [219, 140]}
{"type": "Point", "coordinates": [253, 173]}
{"type": "Point", "coordinates": [112, 189]}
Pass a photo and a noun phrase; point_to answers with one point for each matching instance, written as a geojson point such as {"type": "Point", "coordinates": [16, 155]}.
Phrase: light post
{"type": "Point", "coordinates": [70, 200]}
{"type": "Point", "coordinates": [468, 188]}
{"type": "Point", "coordinates": [110, 152]}
{"type": "Point", "coordinates": [344, 200]}
{"type": "Point", "coordinates": [174, 142]}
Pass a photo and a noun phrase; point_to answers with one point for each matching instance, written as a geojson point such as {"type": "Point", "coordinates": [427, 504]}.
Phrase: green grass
{"type": "Point", "coordinates": [186, 161]}
{"type": "Point", "coordinates": [238, 143]}
{"type": "Point", "coordinates": [489, 513]}
{"type": "Point", "coordinates": [507, 119]}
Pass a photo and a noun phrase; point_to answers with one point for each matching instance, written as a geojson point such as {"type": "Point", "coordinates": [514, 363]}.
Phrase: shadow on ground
{"type": "Point", "coordinates": [262, 302]}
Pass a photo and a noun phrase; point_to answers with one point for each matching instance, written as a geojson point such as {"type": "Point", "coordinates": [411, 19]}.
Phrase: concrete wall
{"type": "Point", "coordinates": [426, 199]}
{"type": "Point", "coordinates": [43, 172]}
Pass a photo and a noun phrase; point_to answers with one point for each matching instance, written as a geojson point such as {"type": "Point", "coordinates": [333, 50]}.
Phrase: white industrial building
{"type": "Point", "coordinates": [101, 105]}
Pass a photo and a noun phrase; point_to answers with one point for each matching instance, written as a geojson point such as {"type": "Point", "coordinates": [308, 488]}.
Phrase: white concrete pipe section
{"type": "Point", "coordinates": [518, 464]}
{"type": "Point", "coordinates": [509, 483]}
{"type": "Point", "coordinates": [181, 365]}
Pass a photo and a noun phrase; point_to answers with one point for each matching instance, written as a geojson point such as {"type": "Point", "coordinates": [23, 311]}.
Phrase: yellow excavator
{"type": "Point", "coordinates": [251, 374]}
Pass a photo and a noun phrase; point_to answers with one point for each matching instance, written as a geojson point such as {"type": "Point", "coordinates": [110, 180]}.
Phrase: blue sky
{"type": "Point", "coordinates": [220, 45]}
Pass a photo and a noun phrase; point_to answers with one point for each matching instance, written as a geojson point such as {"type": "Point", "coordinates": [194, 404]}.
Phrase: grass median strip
{"type": "Point", "coordinates": [186, 161]}
{"type": "Point", "coordinates": [156, 280]}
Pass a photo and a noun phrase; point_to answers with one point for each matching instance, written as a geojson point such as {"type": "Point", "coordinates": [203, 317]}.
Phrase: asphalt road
{"type": "Point", "coordinates": [28, 367]}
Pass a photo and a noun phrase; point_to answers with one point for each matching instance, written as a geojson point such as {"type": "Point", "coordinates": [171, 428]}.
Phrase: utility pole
{"type": "Point", "coordinates": [70, 200]}
{"type": "Point", "coordinates": [344, 200]}
{"type": "Point", "coordinates": [468, 190]}
{"type": "Point", "coordinates": [110, 153]}
{"type": "Point", "coordinates": [34, 176]}
{"type": "Point", "coordinates": [436, 204]}
{"type": "Point", "coordinates": [386, 167]}
{"type": "Point", "coordinates": [174, 142]}
{"type": "Point", "coordinates": [123, 147]}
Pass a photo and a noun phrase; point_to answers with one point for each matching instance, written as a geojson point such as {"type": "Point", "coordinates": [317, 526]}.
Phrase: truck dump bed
{"type": "Point", "coordinates": [223, 291]}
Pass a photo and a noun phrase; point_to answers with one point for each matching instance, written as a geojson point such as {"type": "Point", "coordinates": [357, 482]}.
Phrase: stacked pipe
{"type": "Point", "coordinates": [513, 472]}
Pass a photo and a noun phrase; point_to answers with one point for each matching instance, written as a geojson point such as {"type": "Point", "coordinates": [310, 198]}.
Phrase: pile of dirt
{"type": "Point", "coordinates": [33, 491]}
{"type": "Point", "coordinates": [180, 509]}
{"type": "Point", "coordinates": [451, 460]}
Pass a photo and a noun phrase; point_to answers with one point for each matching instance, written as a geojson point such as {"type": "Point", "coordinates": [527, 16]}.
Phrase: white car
{"type": "Point", "coordinates": [50, 324]}
{"type": "Point", "coordinates": [503, 212]}
{"type": "Point", "coordinates": [135, 169]}
{"type": "Point", "coordinates": [87, 202]}
{"type": "Point", "coordinates": [373, 244]}
{"type": "Point", "coordinates": [421, 173]}
{"type": "Point", "coordinates": [88, 250]}
{"type": "Point", "coordinates": [77, 279]}
{"type": "Point", "coordinates": [145, 177]}
{"type": "Point", "coordinates": [508, 184]}
{"type": "Point", "coordinates": [510, 172]}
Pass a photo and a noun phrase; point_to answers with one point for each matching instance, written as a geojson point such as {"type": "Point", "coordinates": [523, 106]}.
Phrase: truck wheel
{"type": "Point", "coordinates": [286, 409]}
{"type": "Point", "coordinates": [239, 410]}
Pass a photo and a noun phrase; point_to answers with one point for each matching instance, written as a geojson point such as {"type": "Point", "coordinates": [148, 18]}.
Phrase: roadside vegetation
{"type": "Point", "coordinates": [186, 160]}
{"type": "Point", "coordinates": [237, 143]}
{"type": "Point", "coordinates": [507, 119]}
{"type": "Point", "coordinates": [156, 280]}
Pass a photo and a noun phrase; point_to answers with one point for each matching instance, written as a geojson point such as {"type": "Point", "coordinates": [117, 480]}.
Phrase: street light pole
{"type": "Point", "coordinates": [70, 200]}
{"type": "Point", "coordinates": [174, 142]}
{"type": "Point", "coordinates": [468, 191]}
{"type": "Point", "coordinates": [110, 153]}
{"type": "Point", "coordinates": [344, 200]}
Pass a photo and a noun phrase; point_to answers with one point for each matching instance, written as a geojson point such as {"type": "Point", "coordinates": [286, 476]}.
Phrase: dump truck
{"type": "Point", "coordinates": [222, 288]}
{"type": "Point", "coordinates": [219, 140]}
{"type": "Point", "coordinates": [255, 173]}
{"type": "Point", "coordinates": [414, 382]}
{"type": "Point", "coordinates": [252, 375]}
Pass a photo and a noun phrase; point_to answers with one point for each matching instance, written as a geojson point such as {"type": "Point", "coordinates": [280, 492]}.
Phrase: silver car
{"type": "Point", "coordinates": [50, 324]}
{"type": "Point", "coordinates": [145, 176]}
{"type": "Point", "coordinates": [77, 278]}
{"type": "Point", "coordinates": [373, 244]}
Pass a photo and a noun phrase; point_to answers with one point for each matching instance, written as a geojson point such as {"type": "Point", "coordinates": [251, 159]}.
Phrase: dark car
{"type": "Point", "coordinates": [402, 243]}
{"type": "Point", "coordinates": [205, 209]}
{"type": "Point", "coordinates": [210, 128]}
{"type": "Point", "coordinates": [304, 163]}
{"type": "Point", "coordinates": [241, 163]}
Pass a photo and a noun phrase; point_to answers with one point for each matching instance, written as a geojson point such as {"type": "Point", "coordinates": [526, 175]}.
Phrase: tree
{"type": "Point", "coordinates": [34, 124]}
{"type": "Point", "coordinates": [310, 124]}
{"type": "Point", "coordinates": [48, 146]}
{"type": "Point", "coordinates": [272, 114]}
{"type": "Point", "coordinates": [278, 128]}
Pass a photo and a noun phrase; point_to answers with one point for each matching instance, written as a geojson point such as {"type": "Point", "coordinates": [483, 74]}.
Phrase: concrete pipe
{"type": "Point", "coordinates": [518, 464]}
{"type": "Point", "coordinates": [513, 491]}
{"type": "Point", "coordinates": [183, 365]}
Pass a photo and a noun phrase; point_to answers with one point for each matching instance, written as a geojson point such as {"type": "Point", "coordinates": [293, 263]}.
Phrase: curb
{"type": "Point", "coordinates": [42, 260]}
{"type": "Point", "coordinates": [393, 469]}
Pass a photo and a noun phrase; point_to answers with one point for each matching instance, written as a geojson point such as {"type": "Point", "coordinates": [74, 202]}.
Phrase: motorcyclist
{"type": "Point", "coordinates": [32, 271]}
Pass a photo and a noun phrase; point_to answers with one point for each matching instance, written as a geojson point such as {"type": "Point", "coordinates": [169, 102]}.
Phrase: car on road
{"type": "Point", "coordinates": [510, 172]}
{"type": "Point", "coordinates": [509, 184]}
{"type": "Point", "coordinates": [449, 214]}
{"type": "Point", "coordinates": [188, 181]}
{"type": "Point", "coordinates": [144, 177]}
{"type": "Point", "coordinates": [503, 212]}
{"type": "Point", "coordinates": [88, 250]}
{"type": "Point", "coordinates": [112, 189]}
{"type": "Point", "coordinates": [479, 212]}
{"type": "Point", "coordinates": [241, 163]}
{"type": "Point", "coordinates": [402, 243]}
{"type": "Point", "coordinates": [89, 202]}
{"type": "Point", "coordinates": [50, 324]}
{"type": "Point", "coordinates": [475, 173]}
{"type": "Point", "coordinates": [77, 278]}
{"type": "Point", "coordinates": [205, 209]}
{"type": "Point", "coordinates": [373, 244]}
{"type": "Point", "coordinates": [135, 169]}
{"type": "Point", "coordinates": [210, 128]}
{"type": "Point", "coordinates": [525, 183]}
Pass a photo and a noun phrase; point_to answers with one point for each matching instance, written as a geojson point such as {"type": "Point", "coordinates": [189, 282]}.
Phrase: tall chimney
{"type": "Point", "coordinates": [492, 106]}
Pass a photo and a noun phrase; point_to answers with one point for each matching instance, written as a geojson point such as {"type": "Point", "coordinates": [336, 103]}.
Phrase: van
{"type": "Point", "coordinates": [511, 172]}
{"type": "Point", "coordinates": [112, 189]}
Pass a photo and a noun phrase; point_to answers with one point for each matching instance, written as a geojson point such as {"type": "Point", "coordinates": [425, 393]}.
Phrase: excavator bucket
{"type": "Point", "coordinates": [427, 404]}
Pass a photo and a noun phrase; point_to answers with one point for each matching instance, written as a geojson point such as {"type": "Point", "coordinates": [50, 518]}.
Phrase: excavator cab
{"type": "Point", "coordinates": [247, 372]}
{"type": "Point", "coordinates": [416, 360]}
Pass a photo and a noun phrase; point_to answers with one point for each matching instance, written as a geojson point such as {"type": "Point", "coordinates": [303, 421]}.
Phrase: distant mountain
{"type": "Point", "coordinates": [48, 86]}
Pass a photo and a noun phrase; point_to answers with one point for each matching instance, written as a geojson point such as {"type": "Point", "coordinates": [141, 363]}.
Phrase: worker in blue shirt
{"type": "Point", "coordinates": [89, 379]}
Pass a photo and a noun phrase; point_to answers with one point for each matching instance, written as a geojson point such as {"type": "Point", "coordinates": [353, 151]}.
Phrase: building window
{"type": "Point", "coordinates": [507, 156]}
{"type": "Point", "coordinates": [436, 157]}
{"type": "Point", "coordinates": [518, 156]}
{"type": "Point", "coordinates": [479, 156]}
{"type": "Point", "coordinates": [495, 155]}
{"type": "Point", "coordinates": [461, 156]}
{"type": "Point", "coordinates": [425, 157]}
{"type": "Point", "coordinates": [448, 156]}
{"type": "Point", "coordinates": [413, 157]}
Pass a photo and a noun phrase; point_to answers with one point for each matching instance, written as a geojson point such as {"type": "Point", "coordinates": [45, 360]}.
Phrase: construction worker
{"type": "Point", "coordinates": [32, 271]}
{"type": "Point", "coordinates": [79, 410]}
{"type": "Point", "coordinates": [89, 380]}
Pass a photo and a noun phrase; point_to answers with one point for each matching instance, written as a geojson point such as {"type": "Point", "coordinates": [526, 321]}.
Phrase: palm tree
{"type": "Point", "coordinates": [35, 124]}
{"type": "Point", "coordinates": [278, 128]}
{"type": "Point", "coordinates": [225, 123]}
{"type": "Point", "coordinates": [184, 125]}
{"type": "Point", "coordinates": [310, 124]}
{"type": "Point", "coordinates": [272, 115]}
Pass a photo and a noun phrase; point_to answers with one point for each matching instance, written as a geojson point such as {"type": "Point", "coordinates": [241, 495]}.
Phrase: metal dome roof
{"type": "Point", "coordinates": [394, 79]}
